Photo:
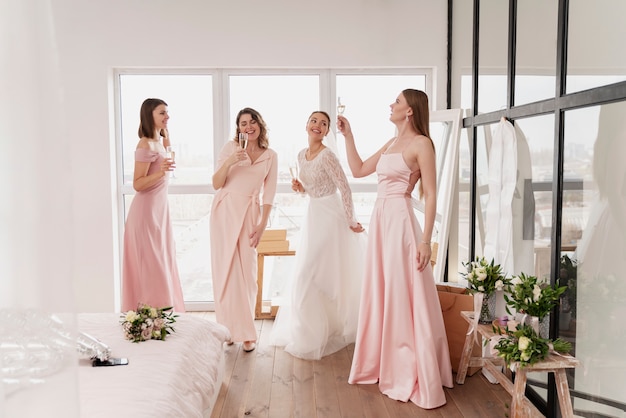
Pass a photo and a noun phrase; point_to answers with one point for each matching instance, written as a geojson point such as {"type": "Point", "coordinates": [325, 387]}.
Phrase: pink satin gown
{"type": "Point", "coordinates": [401, 340]}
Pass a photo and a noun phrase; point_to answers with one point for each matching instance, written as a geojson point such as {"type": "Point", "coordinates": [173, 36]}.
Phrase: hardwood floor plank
{"type": "Point", "coordinates": [348, 395]}
{"type": "Point", "coordinates": [303, 388]}
{"type": "Point", "coordinates": [281, 399]}
{"type": "Point", "coordinates": [327, 403]}
{"type": "Point", "coordinates": [373, 402]}
{"type": "Point", "coordinates": [258, 402]}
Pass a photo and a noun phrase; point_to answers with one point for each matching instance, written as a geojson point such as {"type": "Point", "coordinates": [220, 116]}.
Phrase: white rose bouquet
{"type": "Point", "coordinates": [484, 277]}
{"type": "Point", "coordinates": [524, 347]}
{"type": "Point", "coordinates": [148, 323]}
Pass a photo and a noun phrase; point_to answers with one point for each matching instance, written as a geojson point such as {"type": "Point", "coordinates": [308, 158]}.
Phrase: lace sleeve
{"type": "Point", "coordinates": [336, 173]}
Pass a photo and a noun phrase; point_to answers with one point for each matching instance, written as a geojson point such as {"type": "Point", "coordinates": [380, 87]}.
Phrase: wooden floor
{"type": "Point", "coordinates": [269, 382]}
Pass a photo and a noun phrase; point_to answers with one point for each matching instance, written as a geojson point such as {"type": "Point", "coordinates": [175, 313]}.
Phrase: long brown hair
{"type": "Point", "coordinates": [146, 119]}
{"type": "Point", "coordinates": [323, 113]}
{"type": "Point", "coordinates": [263, 140]}
{"type": "Point", "coordinates": [418, 101]}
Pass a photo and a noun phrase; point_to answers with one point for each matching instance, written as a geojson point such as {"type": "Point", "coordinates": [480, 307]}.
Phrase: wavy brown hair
{"type": "Point", "coordinates": [146, 120]}
{"type": "Point", "coordinates": [263, 140]}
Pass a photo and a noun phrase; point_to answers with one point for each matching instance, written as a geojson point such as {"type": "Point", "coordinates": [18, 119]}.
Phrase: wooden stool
{"type": "Point", "coordinates": [520, 405]}
{"type": "Point", "coordinates": [258, 309]}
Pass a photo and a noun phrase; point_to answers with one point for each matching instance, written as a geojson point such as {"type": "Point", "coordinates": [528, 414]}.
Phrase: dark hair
{"type": "Point", "coordinates": [146, 120]}
{"type": "Point", "coordinates": [256, 116]}
{"type": "Point", "coordinates": [323, 113]}
{"type": "Point", "coordinates": [418, 101]}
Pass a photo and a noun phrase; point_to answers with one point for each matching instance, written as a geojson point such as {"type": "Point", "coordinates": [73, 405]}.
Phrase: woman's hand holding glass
{"type": "Point", "coordinates": [170, 162]}
{"type": "Point", "coordinates": [243, 144]}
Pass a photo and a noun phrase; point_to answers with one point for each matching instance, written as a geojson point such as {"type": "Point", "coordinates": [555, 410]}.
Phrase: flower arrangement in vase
{"type": "Point", "coordinates": [483, 279]}
{"type": "Point", "coordinates": [530, 297]}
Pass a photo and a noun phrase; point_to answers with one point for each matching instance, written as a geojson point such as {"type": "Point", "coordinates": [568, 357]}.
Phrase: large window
{"type": "Point", "coordinates": [203, 106]}
{"type": "Point", "coordinates": [554, 69]}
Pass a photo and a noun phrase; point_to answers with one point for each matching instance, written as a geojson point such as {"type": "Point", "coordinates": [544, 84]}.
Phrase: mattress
{"type": "Point", "coordinates": [178, 377]}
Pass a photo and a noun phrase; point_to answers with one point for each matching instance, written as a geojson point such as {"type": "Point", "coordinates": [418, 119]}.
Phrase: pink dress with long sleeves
{"type": "Point", "coordinates": [236, 211]}
{"type": "Point", "coordinates": [150, 272]}
{"type": "Point", "coordinates": [401, 340]}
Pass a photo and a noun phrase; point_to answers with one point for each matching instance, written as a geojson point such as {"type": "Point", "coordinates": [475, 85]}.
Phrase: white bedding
{"type": "Point", "coordinates": [178, 377]}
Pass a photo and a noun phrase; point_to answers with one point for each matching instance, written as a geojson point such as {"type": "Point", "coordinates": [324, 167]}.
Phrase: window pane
{"type": "Point", "coordinates": [492, 55]}
{"type": "Point", "coordinates": [592, 259]}
{"type": "Point", "coordinates": [595, 50]}
{"type": "Point", "coordinates": [367, 99]}
{"type": "Point", "coordinates": [535, 50]}
{"type": "Point", "coordinates": [190, 105]}
{"type": "Point", "coordinates": [285, 102]}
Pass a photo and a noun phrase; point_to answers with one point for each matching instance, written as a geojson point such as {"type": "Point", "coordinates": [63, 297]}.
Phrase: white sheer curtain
{"type": "Point", "coordinates": [38, 363]}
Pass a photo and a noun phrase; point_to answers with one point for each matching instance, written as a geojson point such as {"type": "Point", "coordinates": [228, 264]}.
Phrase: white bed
{"type": "Point", "coordinates": [178, 377]}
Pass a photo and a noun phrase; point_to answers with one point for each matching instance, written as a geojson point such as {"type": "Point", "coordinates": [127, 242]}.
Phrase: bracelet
{"type": "Point", "coordinates": [427, 243]}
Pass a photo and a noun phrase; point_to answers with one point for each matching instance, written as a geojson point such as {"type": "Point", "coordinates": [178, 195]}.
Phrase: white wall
{"type": "Point", "coordinates": [94, 37]}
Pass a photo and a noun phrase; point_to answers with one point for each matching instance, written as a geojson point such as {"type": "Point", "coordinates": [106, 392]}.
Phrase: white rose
{"type": "Point", "coordinates": [481, 288]}
{"type": "Point", "coordinates": [131, 316]}
{"type": "Point", "coordinates": [516, 280]}
{"type": "Point", "coordinates": [153, 313]}
{"type": "Point", "coordinates": [525, 356]}
{"type": "Point", "coordinates": [499, 284]}
{"type": "Point", "coordinates": [536, 293]}
{"type": "Point", "coordinates": [523, 343]}
{"type": "Point", "coordinates": [482, 276]}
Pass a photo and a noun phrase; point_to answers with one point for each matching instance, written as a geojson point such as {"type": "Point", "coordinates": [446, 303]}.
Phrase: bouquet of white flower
{"type": "Point", "coordinates": [148, 323]}
{"type": "Point", "coordinates": [484, 277]}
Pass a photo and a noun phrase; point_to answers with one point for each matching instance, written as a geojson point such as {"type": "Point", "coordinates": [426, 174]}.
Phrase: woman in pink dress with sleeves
{"type": "Point", "coordinates": [401, 340]}
{"type": "Point", "coordinates": [150, 272]}
{"type": "Point", "coordinates": [237, 223]}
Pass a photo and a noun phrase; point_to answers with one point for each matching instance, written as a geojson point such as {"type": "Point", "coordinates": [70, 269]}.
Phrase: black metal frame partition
{"type": "Point", "coordinates": [556, 106]}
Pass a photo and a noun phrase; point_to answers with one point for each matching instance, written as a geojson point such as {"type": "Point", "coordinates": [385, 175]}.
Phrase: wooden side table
{"type": "Point", "coordinates": [520, 405]}
{"type": "Point", "coordinates": [258, 309]}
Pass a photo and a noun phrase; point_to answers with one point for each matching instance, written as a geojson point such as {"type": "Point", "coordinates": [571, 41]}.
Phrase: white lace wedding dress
{"type": "Point", "coordinates": [319, 315]}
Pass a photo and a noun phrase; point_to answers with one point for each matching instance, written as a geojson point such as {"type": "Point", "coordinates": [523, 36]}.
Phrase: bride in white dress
{"type": "Point", "coordinates": [319, 316]}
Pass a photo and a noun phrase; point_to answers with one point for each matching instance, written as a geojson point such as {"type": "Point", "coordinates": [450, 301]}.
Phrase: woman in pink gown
{"type": "Point", "coordinates": [237, 223]}
{"type": "Point", "coordinates": [401, 340]}
{"type": "Point", "coordinates": [150, 273]}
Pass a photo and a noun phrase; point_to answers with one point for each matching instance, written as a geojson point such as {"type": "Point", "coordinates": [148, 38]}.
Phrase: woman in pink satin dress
{"type": "Point", "coordinates": [237, 223]}
{"type": "Point", "coordinates": [401, 340]}
{"type": "Point", "coordinates": [150, 272]}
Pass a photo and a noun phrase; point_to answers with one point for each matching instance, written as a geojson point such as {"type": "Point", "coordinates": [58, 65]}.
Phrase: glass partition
{"type": "Point", "coordinates": [596, 51]}
{"type": "Point", "coordinates": [593, 256]}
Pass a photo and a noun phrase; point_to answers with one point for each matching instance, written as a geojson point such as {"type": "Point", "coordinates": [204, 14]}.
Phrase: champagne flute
{"type": "Point", "coordinates": [243, 143]}
{"type": "Point", "coordinates": [340, 109]}
{"type": "Point", "coordinates": [293, 170]}
{"type": "Point", "coordinates": [170, 154]}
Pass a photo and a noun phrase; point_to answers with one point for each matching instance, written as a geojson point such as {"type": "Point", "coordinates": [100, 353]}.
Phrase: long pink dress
{"type": "Point", "coordinates": [236, 210]}
{"type": "Point", "coordinates": [401, 340]}
{"type": "Point", "coordinates": [150, 272]}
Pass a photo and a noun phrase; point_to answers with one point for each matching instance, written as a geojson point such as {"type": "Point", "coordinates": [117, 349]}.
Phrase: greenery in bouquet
{"type": "Point", "coordinates": [524, 347]}
{"type": "Point", "coordinates": [148, 323]}
{"type": "Point", "coordinates": [484, 276]}
{"type": "Point", "coordinates": [568, 277]}
{"type": "Point", "coordinates": [527, 295]}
